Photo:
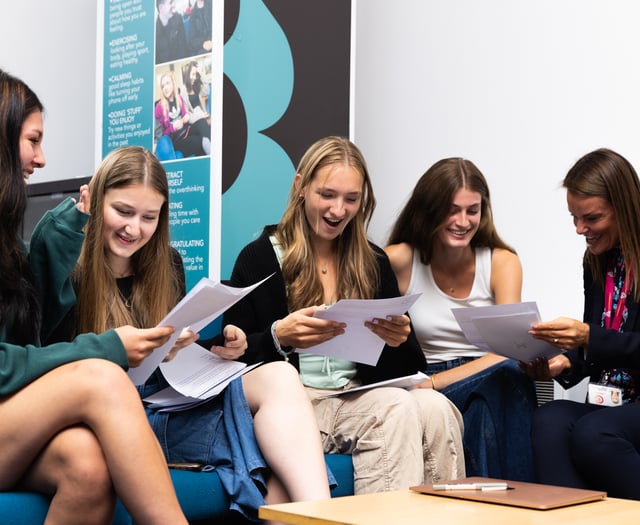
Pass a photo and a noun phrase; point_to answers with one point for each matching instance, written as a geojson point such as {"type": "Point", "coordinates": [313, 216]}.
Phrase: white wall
{"type": "Point", "coordinates": [522, 89]}
{"type": "Point", "coordinates": [52, 47]}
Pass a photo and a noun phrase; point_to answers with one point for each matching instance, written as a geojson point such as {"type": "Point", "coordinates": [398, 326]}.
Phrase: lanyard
{"type": "Point", "coordinates": [616, 283]}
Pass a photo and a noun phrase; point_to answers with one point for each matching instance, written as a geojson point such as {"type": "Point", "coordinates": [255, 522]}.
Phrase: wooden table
{"type": "Point", "coordinates": [407, 508]}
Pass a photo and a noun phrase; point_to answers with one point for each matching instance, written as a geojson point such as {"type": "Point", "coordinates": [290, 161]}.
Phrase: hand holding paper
{"type": "Point", "coordinates": [139, 343]}
{"type": "Point", "coordinates": [359, 343]}
{"type": "Point", "coordinates": [504, 330]}
{"type": "Point", "coordinates": [195, 376]}
{"type": "Point", "coordinates": [393, 330]}
{"type": "Point", "coordinates": [204, 303]}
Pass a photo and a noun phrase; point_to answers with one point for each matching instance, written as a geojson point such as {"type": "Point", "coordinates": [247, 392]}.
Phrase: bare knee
{"type": "Point", "coordinates": [277, 372]}
{"type": "Point", "coordinates": [96, 373]}
{"type": "Point", "coordinates": [275, 380]}
{"type": "Point", "coordinates": [73, 469]}
{"type": "Point", "coordinates": [82, 467]}
{"type": "Point", "coordinates": [104, 383]}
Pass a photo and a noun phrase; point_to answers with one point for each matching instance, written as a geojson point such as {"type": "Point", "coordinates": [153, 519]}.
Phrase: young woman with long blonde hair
{"type": "Point", "coordinates": [319, 253]}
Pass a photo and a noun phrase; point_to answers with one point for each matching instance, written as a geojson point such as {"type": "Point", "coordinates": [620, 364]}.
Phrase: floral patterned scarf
{"type": "Point", "coordinates": [615, 313]}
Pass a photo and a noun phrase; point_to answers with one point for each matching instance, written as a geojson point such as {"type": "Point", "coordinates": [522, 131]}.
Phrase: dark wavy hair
{"type": "Point", "coordinates": [20, 314]}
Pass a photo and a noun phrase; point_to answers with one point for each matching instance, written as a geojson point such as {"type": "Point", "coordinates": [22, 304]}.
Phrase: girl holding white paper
{"type": "Point", "coordinates": [320, 253]}
{"type": "Point", "coordinates": [260, 433]}
{"type": "Point", "coordinates": [444, 245]}
{"type": "Point", "coordinates": [72, 425]}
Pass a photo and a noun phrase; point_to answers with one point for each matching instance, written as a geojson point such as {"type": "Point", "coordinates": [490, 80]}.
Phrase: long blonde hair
{"type": "Point", "coordinates": [357, 267]}
{"type": "Point", "coordinates": [164, 102]}
{"type": "Point", "coordinates": [156, 287]}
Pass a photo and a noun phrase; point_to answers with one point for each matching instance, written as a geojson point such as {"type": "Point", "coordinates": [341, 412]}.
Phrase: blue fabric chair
{"type": "Point", "coordinates": [200, 494]}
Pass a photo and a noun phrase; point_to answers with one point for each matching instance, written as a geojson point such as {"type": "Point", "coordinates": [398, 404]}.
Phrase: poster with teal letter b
{"type": "Point", "coordinates": [159, 87]}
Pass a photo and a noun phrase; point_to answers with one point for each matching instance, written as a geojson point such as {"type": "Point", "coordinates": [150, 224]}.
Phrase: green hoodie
{"type": "Point", "coordinates": [55, 246]}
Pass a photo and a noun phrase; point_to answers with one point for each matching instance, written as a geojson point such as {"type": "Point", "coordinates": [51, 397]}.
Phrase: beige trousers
{"type": "Point", "coordinates": [397, 438]}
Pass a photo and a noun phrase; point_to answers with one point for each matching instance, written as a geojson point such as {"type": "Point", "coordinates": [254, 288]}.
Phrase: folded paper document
{"type": "Point", "coordinates": [406, 382]}
{"type": "Point", "coordinates": [195, 375]}
{"type": "Point", "coordinates": [504, 329]}
{"type": "Point", "coordinates": [358, 343]}
{"type": "Point", "coordinates": [204, 303]}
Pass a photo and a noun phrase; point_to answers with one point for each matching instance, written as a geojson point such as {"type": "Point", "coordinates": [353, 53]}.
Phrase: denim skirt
{"type": "Point", "coordinates": [219, 435]}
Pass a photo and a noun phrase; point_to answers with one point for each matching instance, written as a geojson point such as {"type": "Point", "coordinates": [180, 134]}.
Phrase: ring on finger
{"type": "Point", "coordinates": [555, 339]}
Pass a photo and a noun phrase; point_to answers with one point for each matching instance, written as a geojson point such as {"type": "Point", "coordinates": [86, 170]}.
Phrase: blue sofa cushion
{"type": "Point", "coordinates": [200, 494]}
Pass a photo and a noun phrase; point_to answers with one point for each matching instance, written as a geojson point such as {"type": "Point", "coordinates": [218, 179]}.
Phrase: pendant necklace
{"type": "Point", "coordinates": [125, 300]}
{"type": "Point", "coordinates": [124, 287]}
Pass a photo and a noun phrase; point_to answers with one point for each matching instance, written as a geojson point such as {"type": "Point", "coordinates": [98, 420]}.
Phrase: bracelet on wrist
{"type": "Point", "coordinates": [284, 351]}
{"type": "Point", "coordinates": [433, 382]}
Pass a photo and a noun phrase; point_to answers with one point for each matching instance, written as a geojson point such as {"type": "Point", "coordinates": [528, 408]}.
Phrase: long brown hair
{"type": "Point", "coordinates": [155, 283]}
{"type": "Point", "coordinates": [357, 267]}
{"type": "Point", "coordinates": [20, 313]}
{"type": "Point", "coordinates": [430, 204]}
{"type": "Point", "coordinates": [606, 174]}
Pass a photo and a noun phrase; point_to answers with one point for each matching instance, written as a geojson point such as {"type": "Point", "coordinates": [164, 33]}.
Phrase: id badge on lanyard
{"type": "Point", "coordinates": [604, 395]}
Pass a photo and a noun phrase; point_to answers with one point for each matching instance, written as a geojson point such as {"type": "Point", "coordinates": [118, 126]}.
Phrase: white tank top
{"type": "Point", "coordinates": [438, 331]}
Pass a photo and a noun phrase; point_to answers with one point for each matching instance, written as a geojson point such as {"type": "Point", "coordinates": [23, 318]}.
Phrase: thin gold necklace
{"type": "Point", "coordinates": [125, 300]}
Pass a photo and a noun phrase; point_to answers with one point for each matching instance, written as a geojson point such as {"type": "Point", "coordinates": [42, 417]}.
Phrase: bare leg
{"type": "Point", "coordinates": [99, 394]}
{"type": "Point", "coordinates": [72, 470]}
{"type": "Point", "coordinates": [276, 493]}
{"type": "Point", "coordinates": [287, 431]}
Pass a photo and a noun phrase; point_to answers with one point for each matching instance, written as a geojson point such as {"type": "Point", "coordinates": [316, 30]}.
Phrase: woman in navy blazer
{"type": "Point", "coordinates": [596, 444]}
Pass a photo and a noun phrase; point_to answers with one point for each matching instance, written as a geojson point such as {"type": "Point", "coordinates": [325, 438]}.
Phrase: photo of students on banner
{"type": "Point", "coordinates": [197, 90]}
{"type": "Point", "coordinates": [182, 110]}
{"type": "Point", "coordinates": [171, 37]}
{"type": "Point", "coordinates": [183, 28]}
{"type": "Point", "coordinates": [199, 27]}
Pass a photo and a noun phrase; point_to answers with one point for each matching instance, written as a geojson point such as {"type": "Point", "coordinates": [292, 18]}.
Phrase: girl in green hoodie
{"type": "Point", "coordinates": [72, 424]}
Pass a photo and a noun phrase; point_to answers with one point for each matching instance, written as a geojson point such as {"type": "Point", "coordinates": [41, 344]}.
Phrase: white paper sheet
{"type": "Point", "coordinates": [504, 329]}
{"type": "Point", "coordinates": [205, 302]}
{"type": "Point", "coordinates": [194, 371]}
{"type": "Point", "coordinates": [194, 376]}
{"type": "Point", "coordinates": [358, 343]}
{"type": "Point", "coordinates": [170, 400]}
{"type": "Point", "coordinates": [407, 382]}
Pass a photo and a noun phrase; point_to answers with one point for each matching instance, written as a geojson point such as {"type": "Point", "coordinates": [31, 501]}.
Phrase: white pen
{"type": "Point", "coordinates": [471, 486]}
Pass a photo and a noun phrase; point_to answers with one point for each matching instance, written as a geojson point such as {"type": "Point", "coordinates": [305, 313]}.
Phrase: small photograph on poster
{"type": "Point", "coordinates": [199, 27]}
{"type": "Point", "coordinates": [183, 28]}
{"type": "Point", "coordinates": [182, 109]}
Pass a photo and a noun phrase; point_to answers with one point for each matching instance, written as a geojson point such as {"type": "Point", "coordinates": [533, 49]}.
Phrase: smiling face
{"type": "Point", "coordinates": [31, 154]}
{"type": "Point", "coordinates": [332, 199]}
{"type": "Point", "coordinates": [165, 10]}
{"type": "Point", "coordinates": [193, 74]}
{"type": "Point", "coordinates": [463, 220]}
{"type": "Point", "coordinates": [166, 84]}
{"type": "Point", "coordinates": [594, 218]}
{"type": "Point", "coordinates": [130, 219]}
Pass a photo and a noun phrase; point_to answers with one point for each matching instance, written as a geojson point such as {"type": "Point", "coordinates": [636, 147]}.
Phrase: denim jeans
{"type": "Point", "coordinates": [497, 405]}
